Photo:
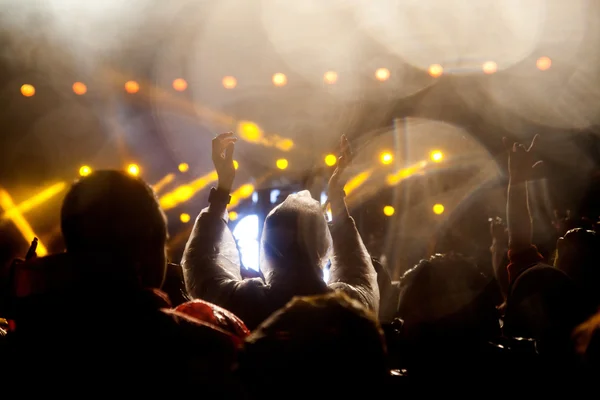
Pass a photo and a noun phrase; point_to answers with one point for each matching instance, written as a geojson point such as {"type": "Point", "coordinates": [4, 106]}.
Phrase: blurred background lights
{"type": "Point", "coordinates": [180, 84]}
{"type": "Point", "coordinates": [185, 218]}
{"type": "Point", "coordinates": [388, 211]}
{"type": "Point", "coordinates": [489, 67]}
{"type": "Point", "coordinates": [183, 167]}
{"type": "Point", "coordinates": [435, 70]}
{"type": "Point", "coordinates": [330, 160]}
{"type": "Point", "coordinates": [236, 164]}
{"type": "Point", "coordinates": [543, 63]}
{"type": "Point", "coordinates": [386, 158]}
{"type": "Point", "coordinates": [133, 169]}
{"type": "Point", "coordinates": [132, 87]}
{"type": "Point", "coordinates": [85, 170]}
{"type": "Point", "coordinates": [27, 90]}
{"type": "Point", "coordinates": [282, 163]}
{"type": "Point", "coordinates": [229, 82]}
{"type": "Point", "coordinates": [330, 77]}
{"type": "Point", "coordinates": [382, 74]}
{"type": "Point", "coordinates": [279, 79]}
{"type": "Point", "coordinates": [79, 88]}
{"type": "Point", "coordinates": [438, 209]}
{"type": "Point", "coordinates": [233, 215]}
{"type": "Point", "coordinates": [436, 156]}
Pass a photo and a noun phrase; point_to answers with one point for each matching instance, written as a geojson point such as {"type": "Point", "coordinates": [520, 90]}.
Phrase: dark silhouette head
{"type": "Point", "coordinates": [295, 241]}
{"type": "Point", "coordinates": [312, 338]}
{"type": "Point", "coordinates": [112, 220]}
{"type": "Point", "coordinates": [578, 256]}
{"type": "Point", "coordinates": [447, 298]}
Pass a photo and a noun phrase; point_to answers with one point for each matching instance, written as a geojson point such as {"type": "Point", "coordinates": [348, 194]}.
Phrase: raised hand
{"type": "Point", "coordinates": [222, 156]}
{"type": "Point", "coordinates": [336, 183]}
{"type": "Point", "coordinates": [521, 160]}
{"type": "Point", "coordinates": [497, 229]}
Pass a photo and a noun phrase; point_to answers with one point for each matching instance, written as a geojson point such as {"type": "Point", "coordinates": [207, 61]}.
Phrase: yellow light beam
{"type": "Point", "coordinates": [164, 181]}
{"type": "Point", "coordinates": [6, 202]}
{"type": "Point", "coordinates": [356, 181]}
{"type": "Point", "coordinates": [394, 179]}
{"type": "Point", "coordinates": [183, 193]}
{"type": "Point", "coordinates": [34, 201]}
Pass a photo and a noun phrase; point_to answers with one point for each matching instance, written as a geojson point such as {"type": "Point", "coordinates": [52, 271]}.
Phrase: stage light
{"type": "Point", "coordinates": [79, 88]}
{"type": "Point", "coordinates": [133, 169]}
{"type": "Point", "coordinates": [330, 77]}
{"type": "Point", "coordinates": [233, 215]}
{"type": "Point", "coordinates": [27, 90]}
{"type": "Point", "coordinates": [180, 84]}
{"type": "Point", "coordinates": [330, 160]}
{"type": "Point", "coordinates": [249, 131]}
{"type": "Point", "coordinates": [435, 70]}
{"type": "Point", "coordinates": [382, 74]}
{"type": "Point", "coordinates": [489, 67]}
{"type": "Point", "coordinates": [229, 82]}
{"type": "Point", "coordinates": [183, 167]}
{"type": "Point", "coordinates": [132, 87]}
{"type": "Point", "coordinates": [438, 209]}
{"type": "Point", "coordinates": [279, 79]}
{"type": "Point", "coordinates": [85, 170]}
{"type": "Point", "coordinates": [282, 163]}
{"type": "Point", "coordinates": [246, 233]}
{"type": "Point", "coordinates": [185, 218]}
{"type": "Point", "coordinates": [388, 211]}
{"type": "Point", "coordinates": [386, 158]}
{"type": "Point", "coordinates": [543, 63]}
{"type": "Point", "coordinates": [236, 164]}
{"type": "Point", "coordinates": [436, 156]}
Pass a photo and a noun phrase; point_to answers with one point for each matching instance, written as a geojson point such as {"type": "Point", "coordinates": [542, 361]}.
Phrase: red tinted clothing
{"type": "Point", "coordinates": [215, 316]}
{"type": "Point", "coordinates": [522, 260]}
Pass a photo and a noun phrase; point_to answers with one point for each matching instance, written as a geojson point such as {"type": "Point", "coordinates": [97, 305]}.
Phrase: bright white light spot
{"type": "Point", "coordinates": [323, 198]}
{"type": "Point", "coordinates": [246, 234]}
{"type": "Point", "coordinates": [255, 197]}
{"type": "Point", "coordinates": [326, 274]}
{"type": "Point", "coordinates": [274, 195]}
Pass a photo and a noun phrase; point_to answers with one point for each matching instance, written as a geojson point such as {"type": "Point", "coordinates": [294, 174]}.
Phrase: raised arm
{"type": "Point", "coordinates": [351, 269]}
{"type": "Point", "coordinates": [522, 253]}
{"type": "Point", "coordinates": [211, 261]}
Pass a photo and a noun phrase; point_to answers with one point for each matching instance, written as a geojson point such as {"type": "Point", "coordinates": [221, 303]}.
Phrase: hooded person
{"type": "Point", "coordinates": [296, 244]}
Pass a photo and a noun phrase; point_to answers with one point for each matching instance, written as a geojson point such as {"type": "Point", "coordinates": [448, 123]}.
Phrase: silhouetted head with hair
{"type": "Point", "coordinates": [313, 338]}
{"type": "Point", "coordinates": [112, 220]}
{"type": "Point", "coordinates": [578, 256]}
{"type": "Point", "coordinates": [296, 241]}
{"type": "Point", "coordinates": [445, 303]}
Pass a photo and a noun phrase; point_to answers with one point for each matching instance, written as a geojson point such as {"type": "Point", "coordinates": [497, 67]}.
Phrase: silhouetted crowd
{"type": "Point", "coordinates": [110, 316]}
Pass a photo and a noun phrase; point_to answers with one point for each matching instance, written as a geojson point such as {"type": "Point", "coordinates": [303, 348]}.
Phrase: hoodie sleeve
{"type": "Point", "coordinates": [351, 269]}
{"type": "Point", "coordinates": [211, 262]}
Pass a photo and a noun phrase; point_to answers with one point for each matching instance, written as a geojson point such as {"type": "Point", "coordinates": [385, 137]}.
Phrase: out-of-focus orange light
{"type": "Point", "coordinates": [436, 156]}
{"type": "Point", "coordinates": [79, 88]}
{"type": "Point", "coordinates": [386, 158]}
{"type": "Point", "coordinates": [185, 218]}
{"type": "Point", "coordinates": [330, 77]}
{"type": "Point", "coordinates": [382, 74]}
{"type": "Point", "coordinates": [236, 164]}
{"type": "Point", "coordinates": [133, 169]}
{"type": "Point", "coordinates": [183, 167]}
{"type": "Point", "coordinates": [388, 211]}
{"type": "Point", "coordinates": [435, 70]}
{"type": "Point", "coordinates": [229, 82]}
{"type": "Point", "coordinates": [132, 87]}
{"type": "Point", "coordinates": [250, 131]}
{"type": "Point", "coordinates": [279, 79]}
{"type": "Point", "coordinates": [180, 84]}
{"type": "Point", "coordinates": [330, 160]}
{"type": "Point", "coordinates": [233, 215]}
{"type": "Point", "coordinates": [543, 63]}
{"type": "Point", "coordinates": [438, 209]}
{"type": "Point", "coordinates": [489, 67]}
{"type": "Point", "coordinates": [282, 163]}
{"type": "Point", "coordinates": [27, 90]}
{"type": "Point", "coordinates": [85, 170]}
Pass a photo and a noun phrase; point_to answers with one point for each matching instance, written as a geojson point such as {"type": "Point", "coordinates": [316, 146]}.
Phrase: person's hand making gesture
{"type": "Point", "coordinates": [521, 160]}
{"type": "Point", "coordinates": [335, 191]}
{"type": "Point", "coordinates": [222, 156]}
